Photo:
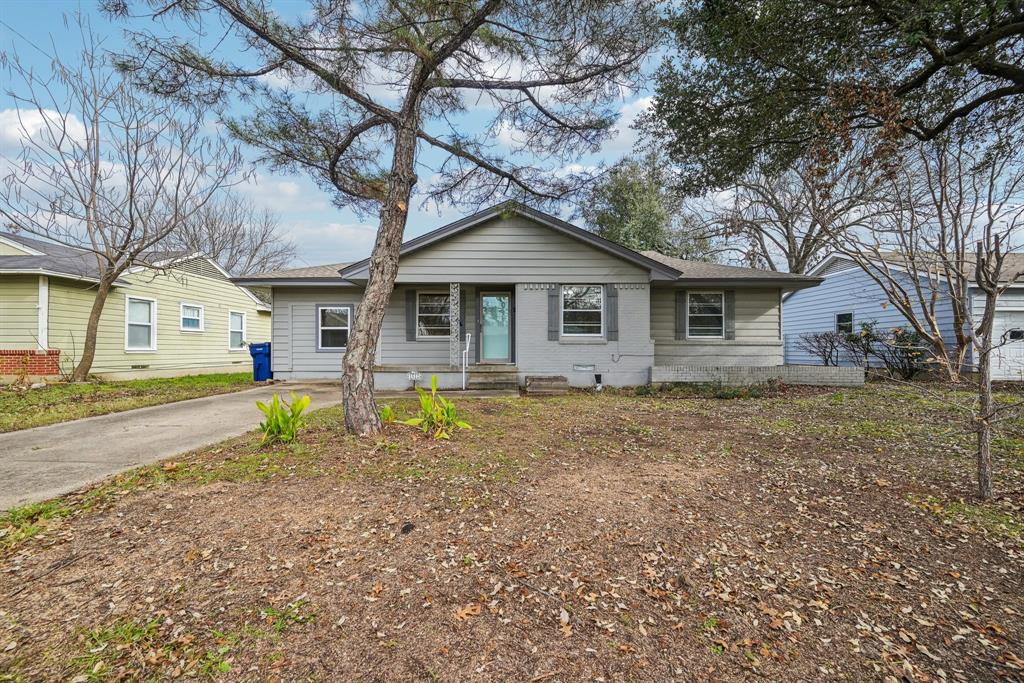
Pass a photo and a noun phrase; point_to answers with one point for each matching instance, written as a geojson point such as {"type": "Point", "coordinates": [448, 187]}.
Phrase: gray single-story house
{"type": "Point", "coordinates": [511, 292]}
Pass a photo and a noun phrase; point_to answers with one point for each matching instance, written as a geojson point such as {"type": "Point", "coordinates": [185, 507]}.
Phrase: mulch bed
{"type": "Point", "coordinates": [809, 536]}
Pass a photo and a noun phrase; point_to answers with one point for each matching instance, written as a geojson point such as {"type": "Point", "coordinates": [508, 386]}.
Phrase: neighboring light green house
{"type": "Point", "coordinates": [185, 317]}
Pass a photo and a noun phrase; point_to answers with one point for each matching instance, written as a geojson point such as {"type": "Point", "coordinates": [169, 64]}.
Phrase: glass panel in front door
{"type": "Point", "coordinates": [495, 327]}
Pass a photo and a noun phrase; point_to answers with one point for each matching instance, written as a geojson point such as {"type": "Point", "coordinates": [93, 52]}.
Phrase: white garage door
{"type": "Point", "coordinates": [1009, 358]}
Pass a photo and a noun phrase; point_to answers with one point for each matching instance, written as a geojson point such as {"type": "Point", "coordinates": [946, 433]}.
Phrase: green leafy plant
{"type": "Point", "coordinates": [437, 415]}
{"type": "Point", "coordinates": [283, 419]}
{"type": "Point", "coordinates": [387, 414]}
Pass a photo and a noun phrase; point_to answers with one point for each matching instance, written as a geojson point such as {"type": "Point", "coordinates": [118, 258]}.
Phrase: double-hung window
{"type": "Point", "coordinates": [236, 331]}
{"type": "Point", "coordinates": [191, 317]}
{"type": "Point", "coordinates": [433, 317]}
{"type": "Point", "coordinates": [844, 323]}
{"type": "Point", "coordinates": [333, 326]}
{"type": "Point", "coordinates": [140, 324]}
{"type": "Point", "coordinates": [705, 315]}
{"type": "Point", "coordinates": [582, 310]}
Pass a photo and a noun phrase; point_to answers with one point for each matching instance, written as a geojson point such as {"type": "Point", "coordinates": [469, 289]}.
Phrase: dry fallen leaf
{"type": "Point", "coordinates": [470, 610]}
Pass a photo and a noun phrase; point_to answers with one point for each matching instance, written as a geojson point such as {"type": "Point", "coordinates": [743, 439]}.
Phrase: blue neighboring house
{"type": "Point", "coordinates": [849, 297]}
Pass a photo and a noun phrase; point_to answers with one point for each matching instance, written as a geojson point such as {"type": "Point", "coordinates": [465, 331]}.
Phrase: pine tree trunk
{"type": "Point", "coordinates": [361, 415]}
{"type": "Point", "coordinates": [81, 371]}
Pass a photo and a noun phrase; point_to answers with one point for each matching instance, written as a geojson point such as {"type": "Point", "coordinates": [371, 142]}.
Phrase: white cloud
{"type": "Point", "coordinates": [331, 242]}
{"type": "Point", "coordinates": [625, 136]}
{"type": "Point", "coordinates": [18, 125]}
{"type": "Point", "coordinates": [293, 194]}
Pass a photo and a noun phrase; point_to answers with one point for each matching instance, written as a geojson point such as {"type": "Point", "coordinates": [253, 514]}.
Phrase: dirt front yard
{"type": "Point", "coordinates": [825, 535]}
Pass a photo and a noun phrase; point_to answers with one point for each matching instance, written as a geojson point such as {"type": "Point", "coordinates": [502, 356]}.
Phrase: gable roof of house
{"type": "Point", "coordinates": [49, 258]}
{"type": "Point", "coordinates": [661, 271]}
{"type": "Point", "coordinates": [328, 272]}
{"type": "Point", "coordinates": [663, 268]}
{"type": "Point", "coordinates": [699, 271]}
{"type": "Point", "coordinates": [835, 263]}
{"type": "Point", "coordinates": [60, 260]}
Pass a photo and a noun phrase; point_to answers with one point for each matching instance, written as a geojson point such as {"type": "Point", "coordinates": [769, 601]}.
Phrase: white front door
{"type": "Point", "coordinates": [1008, 334]}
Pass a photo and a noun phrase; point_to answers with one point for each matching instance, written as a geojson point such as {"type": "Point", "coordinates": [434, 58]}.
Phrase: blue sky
{"type": "Point", "coordinates": [324, 233]}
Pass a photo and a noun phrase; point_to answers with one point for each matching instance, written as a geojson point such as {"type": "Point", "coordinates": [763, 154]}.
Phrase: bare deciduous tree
{"type": "Point", "coordinates": [918, 247]}
{"type": "Point", "coordinates": [999, 235]}
{"type": "Point", "coordinates": [103, 168]}
{"type": "Point", "coordinates": [786, 222]}
{"type": "Point", "coordinates": [380, 79]}
{"type": "Point", "coordinates": [954, 209]}
{"type": "Point", "coordinates": [242, 239]}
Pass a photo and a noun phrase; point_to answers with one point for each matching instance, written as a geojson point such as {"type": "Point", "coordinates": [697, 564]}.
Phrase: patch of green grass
{"type": "Point", "coordinates": [294, 613]}
{"type": "Point", "coordinates": [985, 516]}
{"type": "Point", "coordinates": [711, 390]}
{"type": "Point", "coordinates": [215, 662]}
{"type": "Point", "coordinates": [1011, 450]}
{"type": "Point", "coordinates": [24, 408]}
{"type": "Point", "coordinates": [26, 521]}
{"type": "Point", "coordinates": [988, 517]}
{"type": "Point", "coordinates": [107, 644]}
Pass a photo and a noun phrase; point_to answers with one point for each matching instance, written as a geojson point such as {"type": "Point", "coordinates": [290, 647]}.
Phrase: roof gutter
{"type": "Point", "coordinates": [54, 273]}
{"type": "Point", "coordinates": [293, 282]}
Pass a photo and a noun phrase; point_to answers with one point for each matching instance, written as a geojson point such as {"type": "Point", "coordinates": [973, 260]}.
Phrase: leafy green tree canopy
{"type": "Point", "coordinates": [635, 206]}
{"type": "Point", "coordinates": [767, 82]}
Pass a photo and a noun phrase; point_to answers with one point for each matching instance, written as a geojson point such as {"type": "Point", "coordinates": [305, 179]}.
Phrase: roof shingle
{"type": "Point", "coordinates": [328, 271]}
{"type": "Point", "coordinates": [702, 270]}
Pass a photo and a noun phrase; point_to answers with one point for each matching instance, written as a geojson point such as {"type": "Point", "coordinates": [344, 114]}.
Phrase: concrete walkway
{"type": "Point", "coordinates": [40, 463]}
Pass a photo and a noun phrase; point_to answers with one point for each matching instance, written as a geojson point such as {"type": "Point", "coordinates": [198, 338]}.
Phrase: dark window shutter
{"type": "Point", "coordinates": [680, 314]}
{"type": "Point", "coordinates": [553, 307]}
{"type": "Point", "coordinates": [611, 309]}
{"type": "Point", "coordinates": [410, 315]}
{"type": "Point", "coordinates": [730, 314]}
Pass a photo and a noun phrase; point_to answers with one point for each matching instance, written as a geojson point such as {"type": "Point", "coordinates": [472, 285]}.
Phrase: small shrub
{"type": "Point", "coordinates": [387, 414]}
{"type": "Point", "coordinates": [437, 415]}
{"type": "Point", "coordinates": [902, 351]}
{"type": "Point", "coordinates": [283, 420]}
{"type": "Point", "coordinates": [825, 346]}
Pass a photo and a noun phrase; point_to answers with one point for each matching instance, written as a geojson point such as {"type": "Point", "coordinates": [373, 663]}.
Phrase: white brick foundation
{"type": "Point", "coordinates": [734, 376]}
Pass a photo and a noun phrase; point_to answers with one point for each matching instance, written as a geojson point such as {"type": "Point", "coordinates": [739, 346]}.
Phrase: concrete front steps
{"type": "Point", "coordinates": [546, 385]}
{"type": "Point", "coordinates": [492, 378]}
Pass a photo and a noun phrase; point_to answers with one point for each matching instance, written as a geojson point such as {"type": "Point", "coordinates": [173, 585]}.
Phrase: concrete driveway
{"type": "Point", "coordinates": [40, 463]}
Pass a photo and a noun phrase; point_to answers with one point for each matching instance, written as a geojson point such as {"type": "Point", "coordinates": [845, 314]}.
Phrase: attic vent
{"type": "Point", "coordinates": [199, 266]}
{"type": "Point", "coordinates": [836, 266]}
{"type": "Point", "coordinates": [139, 367]}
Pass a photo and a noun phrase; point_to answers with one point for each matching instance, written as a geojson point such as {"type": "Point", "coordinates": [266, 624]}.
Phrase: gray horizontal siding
{"type": "Point", "coordinates": [757, 332]}
{"type": "Point", "coordinates": [515, 250]}
{"type": "Point", "coordinates": [623, 362]}
{"type": "Point", "coordinates": [295, 329]}
{"type": "Point", "coordinates": [394, 349]}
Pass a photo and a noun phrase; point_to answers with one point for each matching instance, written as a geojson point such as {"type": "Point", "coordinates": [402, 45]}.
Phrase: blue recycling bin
{"type": "Point", "coordinates": [260, 362]}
